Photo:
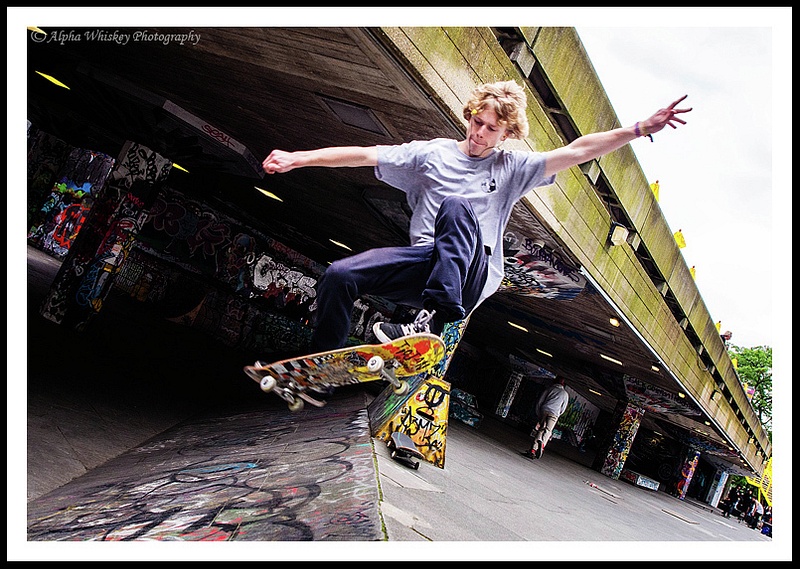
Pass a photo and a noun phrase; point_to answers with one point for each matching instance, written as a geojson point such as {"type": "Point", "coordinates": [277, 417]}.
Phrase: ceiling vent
{"type": "Point", "coordinates": [355, 115]}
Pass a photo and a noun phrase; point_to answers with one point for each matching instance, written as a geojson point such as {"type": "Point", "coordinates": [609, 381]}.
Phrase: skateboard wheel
{"type": "Point", "coordinates": [401, 389]}
{"type": "Point", "coordinates": [296, 405]}
{"type": "Point", "coordinates": [267, 383]}
{"type": "Point", "coordinates": [375, 364]}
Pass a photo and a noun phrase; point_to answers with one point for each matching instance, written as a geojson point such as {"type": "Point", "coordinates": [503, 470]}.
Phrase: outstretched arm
{"type": "Point", "coordinates": [281, 161]}
{"type": "Point", "coordinates": [591, 146]}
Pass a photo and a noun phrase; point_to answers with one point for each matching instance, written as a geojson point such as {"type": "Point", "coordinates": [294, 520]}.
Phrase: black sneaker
{"type": "Point", "coordinates": [538, 449]}
{"type": "Point", "coordinates": [386, 332]}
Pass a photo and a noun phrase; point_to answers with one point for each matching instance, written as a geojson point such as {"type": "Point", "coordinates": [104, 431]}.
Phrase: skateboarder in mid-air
{"type": "Point", "coordinates": [461, 194]}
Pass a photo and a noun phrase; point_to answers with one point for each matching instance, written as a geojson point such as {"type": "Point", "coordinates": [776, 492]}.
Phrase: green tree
{"type": "Point", "coordinates": [755, 370]}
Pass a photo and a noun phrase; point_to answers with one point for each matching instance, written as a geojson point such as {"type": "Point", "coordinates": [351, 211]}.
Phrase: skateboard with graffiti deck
{"type": "Point", "coordinates": [403, 449]}
{"type": "Point", "coordinates": [295, 380]}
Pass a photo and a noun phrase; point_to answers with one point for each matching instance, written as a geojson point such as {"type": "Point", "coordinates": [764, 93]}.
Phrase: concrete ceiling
{"type": "Point", "coordinates": [219, 102]}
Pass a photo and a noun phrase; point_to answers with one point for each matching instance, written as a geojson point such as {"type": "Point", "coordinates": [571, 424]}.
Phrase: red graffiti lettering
{"type": "Point", "coordinates": [135, 200]}
{"type": "Point", "coordinates": [217, 134]}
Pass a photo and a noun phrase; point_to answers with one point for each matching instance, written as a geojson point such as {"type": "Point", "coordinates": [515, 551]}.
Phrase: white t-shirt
{"type": "Point", "coordinates": [428, 171]}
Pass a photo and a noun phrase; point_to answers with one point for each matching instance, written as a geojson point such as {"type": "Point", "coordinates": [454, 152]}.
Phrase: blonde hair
{"type": "Point", "coordinates": [507, 99]}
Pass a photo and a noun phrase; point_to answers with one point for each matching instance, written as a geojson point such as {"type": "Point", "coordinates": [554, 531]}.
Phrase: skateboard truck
{"type": "Point", "coordinates": [295, 395]}
{"type": "Point", "coordinates": [376, 364]}
{"type": "Point", "coordinates": [292, 393]}
{"type": "Point", "coordinates": [403, 450]}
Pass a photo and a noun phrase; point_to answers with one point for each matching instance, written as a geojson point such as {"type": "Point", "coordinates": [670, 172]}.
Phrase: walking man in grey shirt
{"type": "Point", "coordinates": [550, 406]}
{"type": "Point", "coordinates": [461, 194]}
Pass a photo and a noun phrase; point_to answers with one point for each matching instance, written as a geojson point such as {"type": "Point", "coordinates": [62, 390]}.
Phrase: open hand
{"type": "Point", "coordinates": [665, 117]}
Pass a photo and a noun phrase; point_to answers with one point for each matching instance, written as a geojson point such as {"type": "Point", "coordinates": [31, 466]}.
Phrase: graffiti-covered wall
{"type": "Point", "coordinates": [578, 419]}
{"type": "Point", "coordinates": [203, 268]}
{"type": "Point", "coordinates": [101, 244]}
{"type": "Point", "coordinates": [55, 224]}
{"type": "Point", "coordinates": [532, 267]}
{"type": "Point", "coordinates": [208, 243]}
{"type": "Point", "coordinates": [46, 157]}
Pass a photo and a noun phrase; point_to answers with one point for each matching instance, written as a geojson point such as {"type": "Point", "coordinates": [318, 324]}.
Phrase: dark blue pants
{"type": "Point", "coordinates": [447, 276]}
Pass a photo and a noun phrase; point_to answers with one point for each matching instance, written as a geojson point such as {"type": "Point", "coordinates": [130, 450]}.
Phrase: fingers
{"type": "Point", "coordinates": [271, 163]}
{"type": "Point", "coordinates": [673, 112]}
{"type": "Point", "coordinates": [672, 106]}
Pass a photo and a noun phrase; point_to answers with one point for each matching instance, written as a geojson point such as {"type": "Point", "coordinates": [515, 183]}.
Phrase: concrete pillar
{"type": "Point", "coordinates": [504, 405]}
{"type": "Point", "coordinates": [687, 472]}
{"type": "Point", "coordinates": [47, 155]}
{"type": "Point", "coordinates": [101, 247]}
{"type": "Point", "coordinates": [715, 493]}
{"type": "Point", "coordinates": [627, 417]}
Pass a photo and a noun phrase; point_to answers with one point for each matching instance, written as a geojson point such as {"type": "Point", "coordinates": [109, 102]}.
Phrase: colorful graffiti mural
{"type": "Point", "coordinates": [656, 400]}
{"type": "Point", "coordinates": [687, 472]}
{"type": "Point", "coordinates": [100, 248]}
{"type": "Point", "coordinates": [46, 157]}
{"type": "Point", "coordinates": [60, 218]}
{"type": "Point", "coordinates": [259, 294]}
{"type": "Point", "coordinates": [630, 417]}
{"type": "Point", "coordinates": [532, 268]}
{"type": "Point", "coordinates": [579, 416]}
{"type": "Point", "coordinates": [204, 241]}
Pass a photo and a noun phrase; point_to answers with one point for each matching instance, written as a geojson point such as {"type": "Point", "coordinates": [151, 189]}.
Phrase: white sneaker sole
{"type": "Point", "coordinates": [376, 329]}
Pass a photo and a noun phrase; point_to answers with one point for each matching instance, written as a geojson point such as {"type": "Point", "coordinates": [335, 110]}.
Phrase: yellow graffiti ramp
{"type": "Point", "coordinates": [421, 413]}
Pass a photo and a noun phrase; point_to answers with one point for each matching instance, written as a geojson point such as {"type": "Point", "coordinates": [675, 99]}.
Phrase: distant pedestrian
{"type": "Point", "coordinates": [549, 407]}
{"type": "Point", "coordinates": [758, 515]}
{"type": "Point", "coordinates": [731, 502]}
{"type": "Point", "coordinates": [745, 504]}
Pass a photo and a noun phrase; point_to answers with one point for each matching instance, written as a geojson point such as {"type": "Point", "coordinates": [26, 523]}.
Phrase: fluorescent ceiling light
{"type": "Point", "coordinates": [53, 80]}
{"type": "Point", "coordinates": [268, 194]}
{"type": "Point", "coordinates": [342, 245]}
{"type": "Point", "coordinates": [605, 357]}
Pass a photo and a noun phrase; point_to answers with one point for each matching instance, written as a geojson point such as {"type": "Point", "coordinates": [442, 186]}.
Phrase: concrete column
{"type": "Point", "coordinates": [105, 239]}
{"type": "Point", "coordinates": [627, 417]}
{"type": "Point", "coordinates": [715, 494]}
{"type": "Point", "coordinates": [504, 405]}
{"type": "Point", "coordinates": [687, 472]}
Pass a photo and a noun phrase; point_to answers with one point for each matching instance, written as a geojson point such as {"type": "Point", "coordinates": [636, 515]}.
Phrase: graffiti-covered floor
{"type": "Point", "coordinates": [270, 476]}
